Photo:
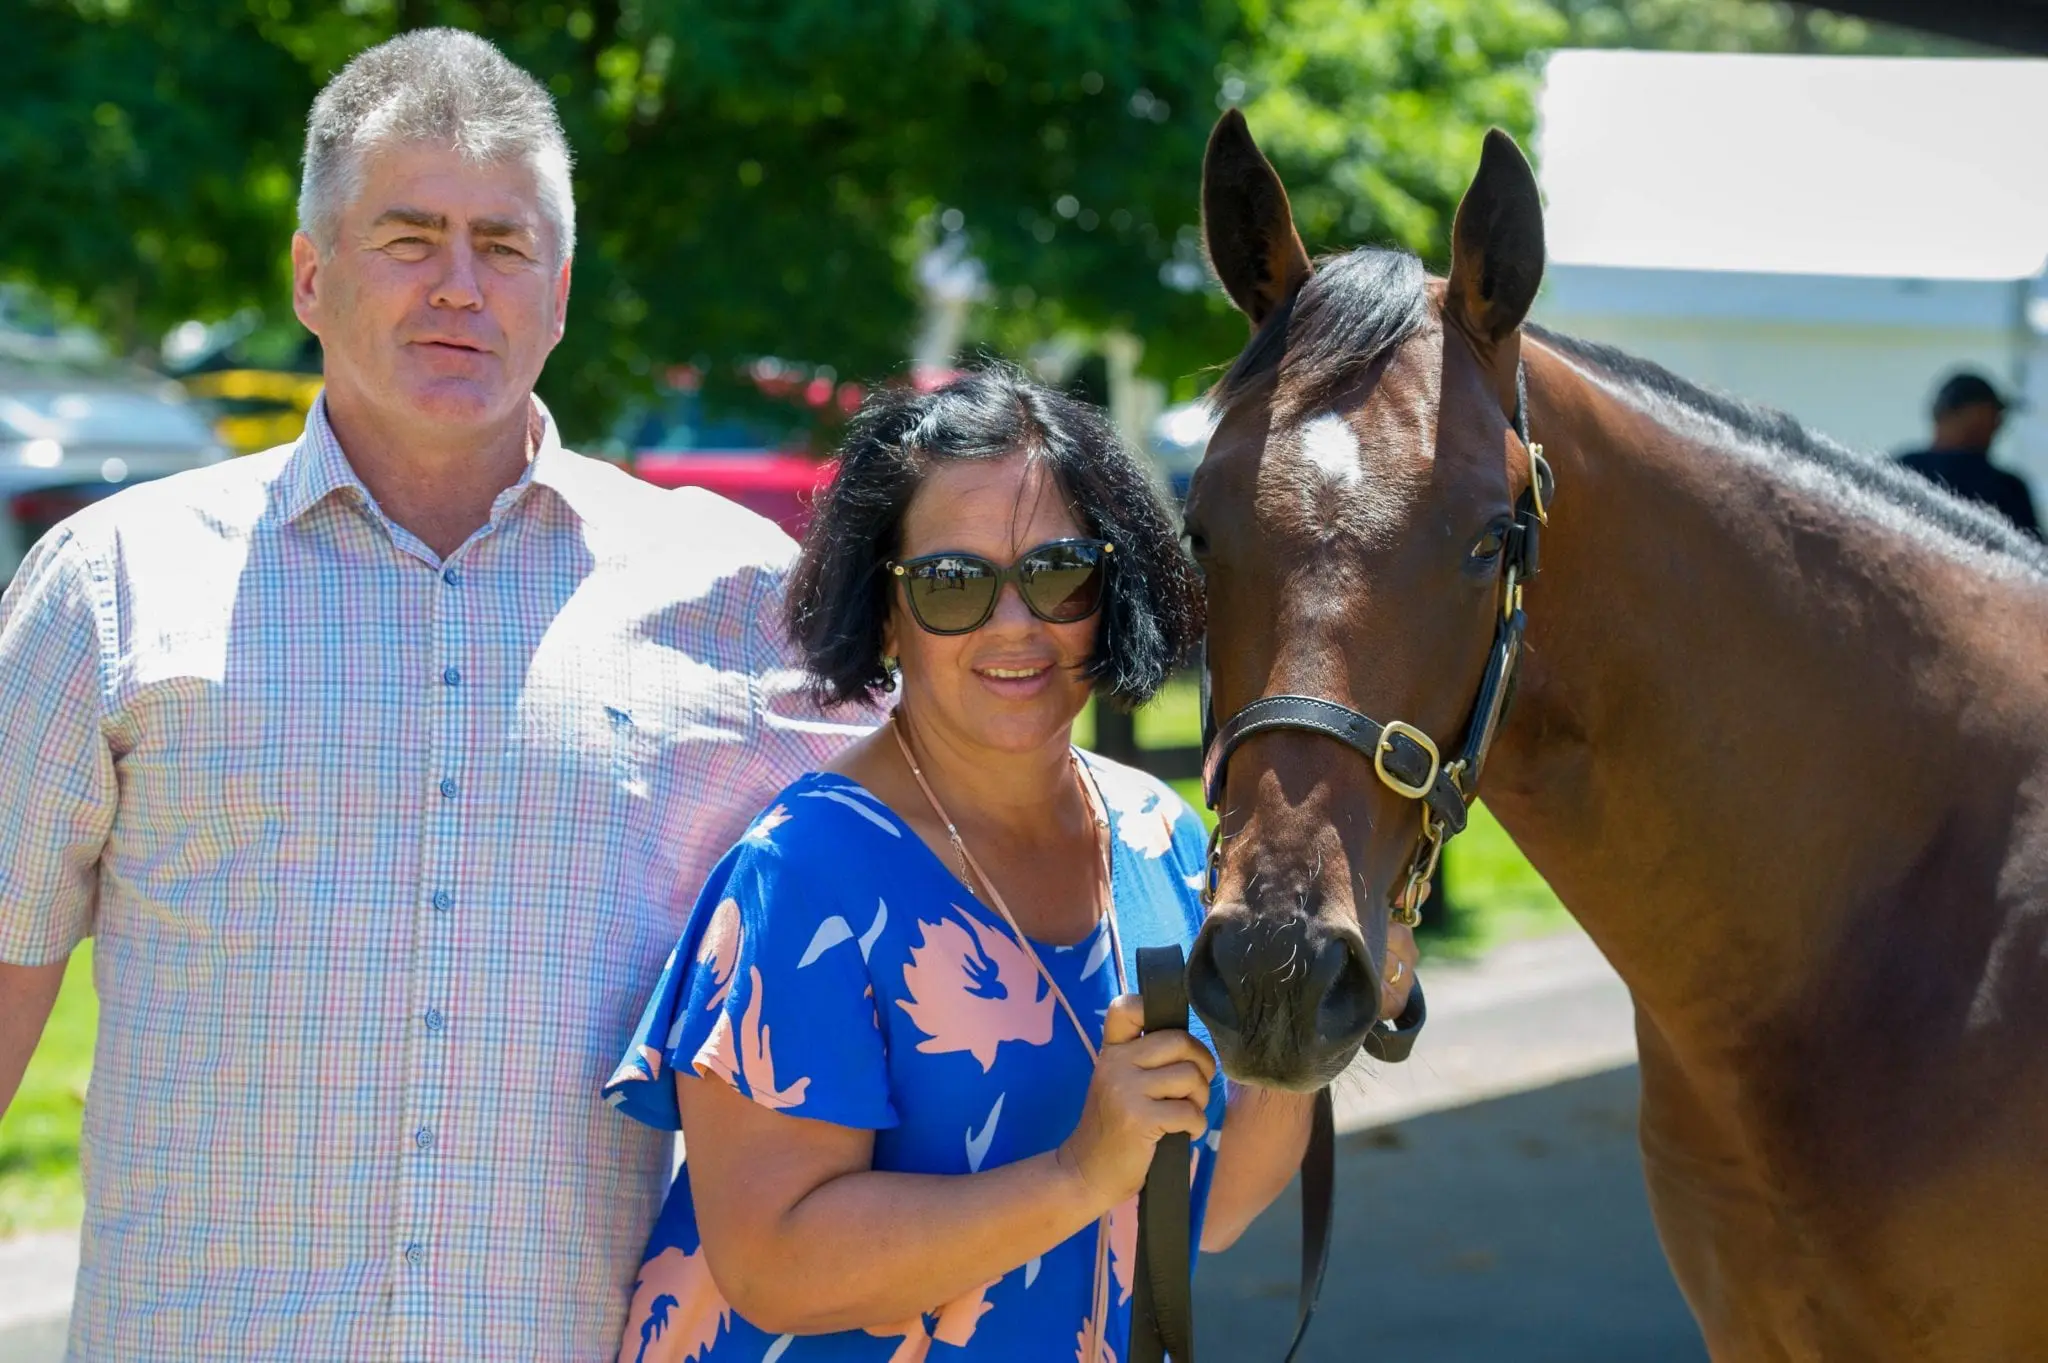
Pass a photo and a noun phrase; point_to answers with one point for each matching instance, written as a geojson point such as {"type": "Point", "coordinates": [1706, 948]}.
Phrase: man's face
{"type": "Point", "coordinates": [1976, 425]}
{"type": "Point", "coordinates": [442, 297]}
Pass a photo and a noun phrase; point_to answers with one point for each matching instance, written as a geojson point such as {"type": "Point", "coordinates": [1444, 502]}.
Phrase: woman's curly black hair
{"type": "Point", "coordinates": [839, 596]}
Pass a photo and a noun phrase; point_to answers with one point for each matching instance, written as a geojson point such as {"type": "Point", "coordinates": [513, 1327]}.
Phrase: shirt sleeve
{"type": "Point", "coordinates": [768, 991]}
{"type": "Point", "coordinates": [55, 761]}
{"type": "Point", "coordinates": [792, 732]}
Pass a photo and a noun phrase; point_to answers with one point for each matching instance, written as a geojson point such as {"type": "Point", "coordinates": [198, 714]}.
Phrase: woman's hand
{"type": "Point", "coordinates": [1397, 972]}
{"type": "Point", "coordinates": [1144, 1087]}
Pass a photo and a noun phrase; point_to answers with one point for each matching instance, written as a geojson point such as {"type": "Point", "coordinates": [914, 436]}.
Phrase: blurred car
{"type": "Point", "coordinates": [72, 434]}
{"type": "Point", "coordinates": [677, 442]}
{"type": "Point", "coordinates": [255, 409]}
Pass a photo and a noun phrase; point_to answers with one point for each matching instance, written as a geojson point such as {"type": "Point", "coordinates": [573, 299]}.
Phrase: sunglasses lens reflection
{"type": "Point", "coordinates": [1062, 584]}
{"type": "Point", "coordinates": [956, 593]}
{"type": "Point", "coordinates": [953, 594]}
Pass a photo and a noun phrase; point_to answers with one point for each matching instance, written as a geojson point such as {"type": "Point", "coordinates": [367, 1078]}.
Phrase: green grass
{"type": "Point", "coordinates": [39, 1188]}
{"type": "Point", "coordinates": [1495, 894]}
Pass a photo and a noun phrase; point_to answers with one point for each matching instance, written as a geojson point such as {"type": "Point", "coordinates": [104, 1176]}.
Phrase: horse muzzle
{"type": "Point", "coordinates": [1287, 999]}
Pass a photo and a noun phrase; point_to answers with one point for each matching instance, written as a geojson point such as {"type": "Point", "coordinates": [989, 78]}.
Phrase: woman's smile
{"type": "Point", "coordinates": [1016, 681]}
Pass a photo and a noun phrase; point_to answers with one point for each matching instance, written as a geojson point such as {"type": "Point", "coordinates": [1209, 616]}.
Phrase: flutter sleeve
{"type": "Point", "coordinates": [768, 990]}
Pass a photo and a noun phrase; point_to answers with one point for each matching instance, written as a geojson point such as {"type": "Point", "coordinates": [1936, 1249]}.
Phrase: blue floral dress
{"type": "Point", "coordinates": [834, 968]}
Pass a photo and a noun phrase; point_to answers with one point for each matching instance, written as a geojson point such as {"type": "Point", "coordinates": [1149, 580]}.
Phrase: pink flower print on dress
{"type": "Point", "coordinates": [954, 1324]}
{"type": "Point", "coordinates": [764, 828]}
{"type": "Point", "coordinates": [718, 952]}
{"type": "Point", "coordinates": [720, 949]}
{"type": "Point", "coordinates": [1123, 1247]}
{"type": "Point", "coordinates": [972, 988]}
{"type": "Point", "coordinates": [641, 1066]}
{"type": "Point", "coordinates": [1105, 1353]}
{"type": "Point", "coordinates": [677, 1312]}
{"type": "Point", "coordinates": [745, 1059]}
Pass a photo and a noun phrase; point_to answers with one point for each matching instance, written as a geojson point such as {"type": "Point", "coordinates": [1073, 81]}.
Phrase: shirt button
{"type": "Point", "coordinates": [452, 676]}
{"type": "Point", "coordinates": [443, 900]}
{"type": "Point", "coordinates": [434, 1020]}
{"type": "Point", "coordinates": [423, 1138]}
{"type": "Point", "coordinates": [452, 576]}
{"type": "Point", "coordinates": [415, 1255]}
{"type": "Point", "coordinates": [448, 787]}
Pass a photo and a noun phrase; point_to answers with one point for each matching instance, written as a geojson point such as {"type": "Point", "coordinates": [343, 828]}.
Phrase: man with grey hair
{"type": "Point", "coordinates": [383, 768]}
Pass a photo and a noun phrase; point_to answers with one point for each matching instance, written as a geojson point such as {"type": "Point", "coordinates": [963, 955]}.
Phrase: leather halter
{"type": "Point", "coordinates": [1406, 760]}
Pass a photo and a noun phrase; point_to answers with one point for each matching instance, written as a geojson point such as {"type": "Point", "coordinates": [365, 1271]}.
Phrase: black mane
{"type": "Point", "coordinates": [1857, 475]}
{"type": "Point", "coordinates": [1355, 308]}
{"type": "Point", "coordinates": [1359, 306]}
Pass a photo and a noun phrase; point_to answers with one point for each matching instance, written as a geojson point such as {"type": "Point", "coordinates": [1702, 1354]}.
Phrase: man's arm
{"type": "Point", "coordinates": [27, 993]}
{"type": "Point", "coordinates": [792, 731]}
{"type": "Point", "coordinates": [57, 773]}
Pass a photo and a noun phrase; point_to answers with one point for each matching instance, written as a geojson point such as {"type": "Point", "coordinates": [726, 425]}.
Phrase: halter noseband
{"type": "Point", "coordinates": [1404, 758]}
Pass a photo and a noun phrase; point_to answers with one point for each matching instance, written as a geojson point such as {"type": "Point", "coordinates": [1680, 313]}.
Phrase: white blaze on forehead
{"type": "Point", "coordinates": [1331, 446]}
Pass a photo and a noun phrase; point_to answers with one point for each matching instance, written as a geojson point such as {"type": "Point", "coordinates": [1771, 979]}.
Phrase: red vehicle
{"type": "Point", "coordinates": [755, 460]}
{"type": "Point", "coordinates": [778, 484]}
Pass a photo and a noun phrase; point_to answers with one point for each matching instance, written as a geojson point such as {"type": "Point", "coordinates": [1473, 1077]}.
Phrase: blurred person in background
{"type": "Point", "coordinates": [1968, 413]}
{"type": "Point", "coordinates": [384, 768]}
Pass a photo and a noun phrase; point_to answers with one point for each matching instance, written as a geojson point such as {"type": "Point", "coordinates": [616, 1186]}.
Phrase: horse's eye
{"type": "Point", "coordinates": [1198, 543]}
{"type": "Point", "coordinates": [1490, 544]}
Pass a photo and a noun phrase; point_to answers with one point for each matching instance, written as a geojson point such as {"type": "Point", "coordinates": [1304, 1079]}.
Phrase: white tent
{"type": "Point", "coordinates": [1829, 235]}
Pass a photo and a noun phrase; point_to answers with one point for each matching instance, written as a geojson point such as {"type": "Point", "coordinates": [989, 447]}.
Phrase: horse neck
{"type": "Point", "coordinates": [1740, 723]}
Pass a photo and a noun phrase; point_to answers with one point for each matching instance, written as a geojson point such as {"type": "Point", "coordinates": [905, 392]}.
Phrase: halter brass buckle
{"type": "Point", "coordinates": [1386, 745]}
{"type": "Point", "coordinates": [1538, 466]}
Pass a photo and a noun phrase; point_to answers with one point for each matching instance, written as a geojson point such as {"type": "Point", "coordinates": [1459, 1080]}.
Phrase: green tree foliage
{"type": "Point", "coordinates": [760, 176]}
{"type": "Point", "coordinates": [1374, 114]}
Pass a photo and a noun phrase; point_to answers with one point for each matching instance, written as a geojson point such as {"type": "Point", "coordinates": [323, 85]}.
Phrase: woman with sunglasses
{"type": "Point", "coordinates": [899, 1033]}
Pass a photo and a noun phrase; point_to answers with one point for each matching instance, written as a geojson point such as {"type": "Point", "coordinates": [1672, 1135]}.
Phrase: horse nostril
{"type": "Point", "coordinates": [1347, 996]}
{"type": "Point", "coordinates": [1208, 980]}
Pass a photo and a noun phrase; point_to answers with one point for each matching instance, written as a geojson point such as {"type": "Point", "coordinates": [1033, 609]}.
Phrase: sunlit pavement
{"type": "Point", "coordinates": [1508, 1231]}
{"type": "Point", "coordinates": [1490, 1206]}
{"type": "Point", "coordinates": [1490, 1201]}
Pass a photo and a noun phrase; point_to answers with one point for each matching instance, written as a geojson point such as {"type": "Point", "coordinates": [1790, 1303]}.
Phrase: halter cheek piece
{"type": "Point", "coordinates": [1405, 758]}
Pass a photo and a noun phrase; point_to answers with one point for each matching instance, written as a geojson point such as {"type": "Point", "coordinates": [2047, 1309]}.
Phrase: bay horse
{"type": "Point", "coordinates": [1779, 742]}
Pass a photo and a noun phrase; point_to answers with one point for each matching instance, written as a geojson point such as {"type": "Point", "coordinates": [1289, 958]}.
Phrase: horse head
{"type": "Point", "coordinates": [1353, 516]}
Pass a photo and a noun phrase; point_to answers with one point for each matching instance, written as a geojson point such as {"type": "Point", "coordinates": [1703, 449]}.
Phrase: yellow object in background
{"type": "Point", "coordinates": [255, 409]}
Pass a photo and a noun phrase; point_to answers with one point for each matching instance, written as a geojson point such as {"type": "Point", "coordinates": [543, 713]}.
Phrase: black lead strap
{"type": "Point", "coordinates": [1162, 1306]}
{"type": "Point", "coordinates": [1162, 1312]}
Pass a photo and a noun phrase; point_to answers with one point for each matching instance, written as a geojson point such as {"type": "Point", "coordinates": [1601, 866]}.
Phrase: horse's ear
{"type": "Point", "coordinates": [1497, 242]}
{"type": "Point", "coordinates": [1246, 223]}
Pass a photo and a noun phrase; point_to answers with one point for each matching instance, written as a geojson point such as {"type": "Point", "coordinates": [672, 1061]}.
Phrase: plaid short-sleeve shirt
{"type": "Point", "coordinates": [381, 852]}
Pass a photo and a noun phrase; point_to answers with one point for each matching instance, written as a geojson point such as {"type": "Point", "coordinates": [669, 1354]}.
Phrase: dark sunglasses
{"type": "Point", "coordinates": [1060, 582]}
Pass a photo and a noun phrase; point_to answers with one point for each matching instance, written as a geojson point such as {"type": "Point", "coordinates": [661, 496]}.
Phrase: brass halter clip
{"type": "Point", "coordinates": [1407, 907]}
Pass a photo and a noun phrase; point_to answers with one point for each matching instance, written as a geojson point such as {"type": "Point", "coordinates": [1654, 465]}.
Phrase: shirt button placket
{"type": "Point", "coordinates": [441, 863]}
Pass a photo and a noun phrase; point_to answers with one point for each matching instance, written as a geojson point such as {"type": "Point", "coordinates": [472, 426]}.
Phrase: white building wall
{"type": "Point", "coordinates": [1858, 359]}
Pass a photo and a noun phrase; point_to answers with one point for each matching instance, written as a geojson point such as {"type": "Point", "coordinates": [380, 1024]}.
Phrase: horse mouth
{"type": "Point", "coordinates": [1263, 1068]}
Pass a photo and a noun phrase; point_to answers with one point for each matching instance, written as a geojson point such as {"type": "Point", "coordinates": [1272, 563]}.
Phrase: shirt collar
{"type": "Point", "coordinates": [319, 468]}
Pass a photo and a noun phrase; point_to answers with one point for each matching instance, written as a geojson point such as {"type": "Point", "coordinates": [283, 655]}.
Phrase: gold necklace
{"type": "Point", "coordinates": [1105, 905]}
